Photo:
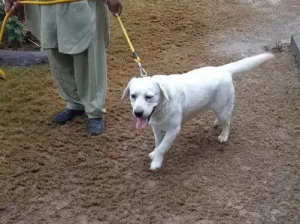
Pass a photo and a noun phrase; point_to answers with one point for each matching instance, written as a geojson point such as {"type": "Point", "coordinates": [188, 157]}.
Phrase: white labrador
{"type": "Point", "coordinates": [166, 102]}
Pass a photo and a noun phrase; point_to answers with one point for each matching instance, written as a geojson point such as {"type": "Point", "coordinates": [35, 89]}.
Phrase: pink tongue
{"type": "Point", "coordinates": [141, 123]}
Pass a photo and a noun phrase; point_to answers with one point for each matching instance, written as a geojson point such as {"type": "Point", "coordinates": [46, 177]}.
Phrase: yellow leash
{"type": "Point", "coordinates": [2, 73]}
{"type": "Point", "coordinates": [51, 2]}
{"type": "Point", "coordinates": [136, 57]}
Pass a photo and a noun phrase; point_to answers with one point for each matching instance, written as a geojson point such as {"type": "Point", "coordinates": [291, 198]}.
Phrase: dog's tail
{"type": "Point", "coordinates": [248, 63]}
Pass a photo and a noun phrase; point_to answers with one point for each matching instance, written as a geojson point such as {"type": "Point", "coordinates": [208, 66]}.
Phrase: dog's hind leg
{"type": "Point", "coordinates": [223, 137]}
{"type": "Point", "coordinates": [223, 119]}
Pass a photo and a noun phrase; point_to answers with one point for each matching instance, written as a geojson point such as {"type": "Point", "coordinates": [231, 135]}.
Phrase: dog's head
{"type": "Point", "coordinates": [145, 95]}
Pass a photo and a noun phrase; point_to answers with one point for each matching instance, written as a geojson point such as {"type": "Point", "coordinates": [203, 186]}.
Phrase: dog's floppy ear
{"type": "Point", "coordinates": [126, 91]}
{"type": "Point", "coordinates": [165, 91]}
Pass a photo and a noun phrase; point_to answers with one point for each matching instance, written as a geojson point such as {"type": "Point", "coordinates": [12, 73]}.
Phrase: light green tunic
{"type": "Point", "coordinates": [76, 36]}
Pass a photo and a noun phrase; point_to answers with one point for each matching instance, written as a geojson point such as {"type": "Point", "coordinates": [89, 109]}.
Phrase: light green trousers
{"type": "Point", "coordinates": [76, 36]}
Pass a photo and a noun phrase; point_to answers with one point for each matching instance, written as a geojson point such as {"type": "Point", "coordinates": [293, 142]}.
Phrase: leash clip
{"type": "Point", "coordinates": [137, 59]}
{"type": "Point", "coordinates": [143, 72]}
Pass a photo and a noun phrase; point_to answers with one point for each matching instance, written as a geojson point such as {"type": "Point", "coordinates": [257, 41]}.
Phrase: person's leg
{"type": "Point", "coordinates": [91, 82]}
{"type": "Point", "coordinates": [91, 73]}
{"type": "Point", "coordinates": [62, 68]}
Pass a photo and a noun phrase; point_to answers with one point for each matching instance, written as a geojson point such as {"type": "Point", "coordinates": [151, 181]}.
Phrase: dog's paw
{"type": "Point", "coordinates": [157, 160]}
{"type": "Point", "coordinates": [156, 163]}
{"type": "Point", "coordinates": [152, 155]}
{"type": "Point", "coordinates": [222, 138]}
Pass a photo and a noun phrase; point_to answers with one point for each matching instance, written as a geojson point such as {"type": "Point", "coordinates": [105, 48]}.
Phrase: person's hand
{"type": "Point", "coordinates": [115, 6]}
{"type": "Point", "coordinates": [18, 8]}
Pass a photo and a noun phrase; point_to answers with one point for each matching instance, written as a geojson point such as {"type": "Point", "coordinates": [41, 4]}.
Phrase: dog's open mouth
{"type": "Point", "coordinates": [142, 122]}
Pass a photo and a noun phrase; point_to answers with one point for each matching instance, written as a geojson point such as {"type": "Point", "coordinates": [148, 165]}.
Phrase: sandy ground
{"type": "Point", "coordinates": [52, 174]}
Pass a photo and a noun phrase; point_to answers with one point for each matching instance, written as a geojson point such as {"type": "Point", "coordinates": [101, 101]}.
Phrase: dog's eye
{"type": "Point", "coordinates": [133, 96]}
{"type": "Point", "coordinates": [148, 97]}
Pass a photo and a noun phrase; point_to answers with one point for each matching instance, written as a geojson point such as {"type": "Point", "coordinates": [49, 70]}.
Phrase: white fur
{"type": "Point", "coordinates": [180, 97]}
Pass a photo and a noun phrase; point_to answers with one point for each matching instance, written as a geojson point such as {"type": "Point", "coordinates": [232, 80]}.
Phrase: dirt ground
{"type": "Point", "coordinates": [56, 174]}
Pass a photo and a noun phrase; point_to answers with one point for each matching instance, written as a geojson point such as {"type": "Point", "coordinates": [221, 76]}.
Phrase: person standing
{"type": "Point", "coordinates": [75, 36]}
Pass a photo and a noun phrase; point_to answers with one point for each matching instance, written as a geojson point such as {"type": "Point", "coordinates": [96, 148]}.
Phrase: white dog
{"type": "Point", "coordinates": [166, 102]}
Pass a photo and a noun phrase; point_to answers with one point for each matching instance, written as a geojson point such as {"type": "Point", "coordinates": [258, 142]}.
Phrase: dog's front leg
{"type": "Point", "coordinates": [157, 155]}
{"type": "Point", "coordinates": [158, 136]}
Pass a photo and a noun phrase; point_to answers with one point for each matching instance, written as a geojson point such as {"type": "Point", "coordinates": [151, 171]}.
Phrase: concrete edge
{"type": "Point", "coordinates": [295, 48]}
{"type": "Point", "coordinates": [23, 58]}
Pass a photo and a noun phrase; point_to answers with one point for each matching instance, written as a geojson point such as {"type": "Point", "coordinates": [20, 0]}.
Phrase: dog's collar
{"type": "Point", "coordinates": [151, 113]}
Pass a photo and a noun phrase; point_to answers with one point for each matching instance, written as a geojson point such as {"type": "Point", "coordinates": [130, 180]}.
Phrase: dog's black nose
{"type": "Point", "coordinates": [138, 113]}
